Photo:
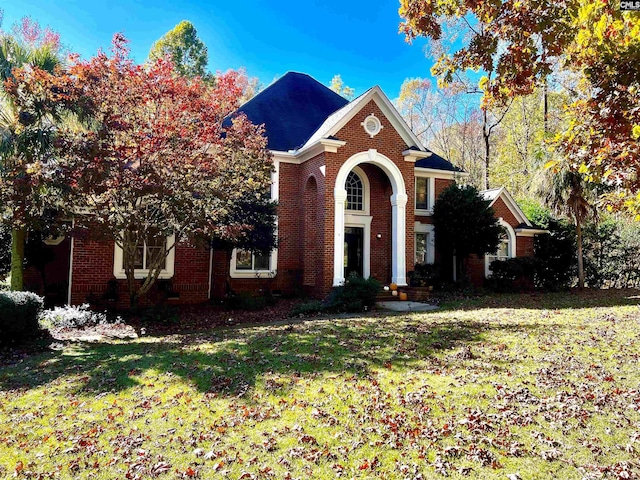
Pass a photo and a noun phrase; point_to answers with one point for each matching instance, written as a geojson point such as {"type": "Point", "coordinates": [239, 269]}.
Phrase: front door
{"type": "Point", "coordinates": [353, 250]}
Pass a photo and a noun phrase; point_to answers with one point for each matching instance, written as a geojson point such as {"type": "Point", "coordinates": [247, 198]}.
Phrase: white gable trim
{"type": "Point", "coordinates": [511, 205]}
{"type": "Point", "coordinates": [382, 101]}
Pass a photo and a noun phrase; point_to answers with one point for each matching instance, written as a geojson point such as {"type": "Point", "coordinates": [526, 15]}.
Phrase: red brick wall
{"type": "Point", "coordinates": [312, 230]}
{"type": "Point", "coordinates": [299, 211]}
{"type": "Point", "coordinates": [93, 268]}
{"type": "Point", "coordinates": [441, 184]}
{"type": "Point", "coordinates": [380, 210]}
{"type": "Point", "coordinates": [502, 211]}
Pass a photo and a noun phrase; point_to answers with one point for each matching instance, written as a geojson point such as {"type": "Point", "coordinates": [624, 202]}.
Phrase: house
{"type": "Point", "coordinates": [355, 189]}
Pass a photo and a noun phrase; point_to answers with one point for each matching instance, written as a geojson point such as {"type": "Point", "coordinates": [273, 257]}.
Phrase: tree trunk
{"type": "Point", "coordinates": [487, 148]}
{"type": "Point", "coordinates": [545, 106]}
{"type": "Point", "coordinates": [580, 263]}
{"type": "Point", "coordinates": [18, 237]}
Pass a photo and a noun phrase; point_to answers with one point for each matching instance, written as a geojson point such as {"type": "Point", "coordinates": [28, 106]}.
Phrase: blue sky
{"type": "Point", "coordinates": [356, 39]}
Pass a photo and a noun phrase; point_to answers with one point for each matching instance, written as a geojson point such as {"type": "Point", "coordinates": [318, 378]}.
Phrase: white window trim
{"type": "Point", "coordinates": [243, 273]}
{"type": "Point", "coordinates": [366, 193]}
{"type": "Point", "coordinates": [431, 195]}
{"type": "Point", "coordinates": [273, 258]}
{"type": "Point", "coordinates": [425, 228]}
{"type": "Point", "coordinates": [139, 274]}
{"type": "Point", "coordinates": [511, 234]}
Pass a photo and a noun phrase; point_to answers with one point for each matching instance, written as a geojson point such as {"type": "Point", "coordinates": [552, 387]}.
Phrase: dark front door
{"type": "Point", "coordinates": [353, 250]}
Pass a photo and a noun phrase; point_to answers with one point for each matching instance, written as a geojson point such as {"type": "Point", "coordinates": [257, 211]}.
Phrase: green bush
{"type": "Point", "coordinates": [309, 308]}
{"type": "Point", "coordinates": [514, 274]}
{"type": "Point", "coordinates": [556, 254]}
{"type": "Point", "coordinates": [19, 315]}
{"type": "Point", "coordinates": [354, 295]}
{"type": "Point", "coordinates": [425, 275]}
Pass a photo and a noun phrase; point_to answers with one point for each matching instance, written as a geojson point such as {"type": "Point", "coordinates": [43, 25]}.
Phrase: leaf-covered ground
{"type": "Point", "coordinates": [509, 387]}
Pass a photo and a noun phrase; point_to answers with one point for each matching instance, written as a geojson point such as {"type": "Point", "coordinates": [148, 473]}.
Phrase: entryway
{"type": "Point", "coordinates": [353, 251]}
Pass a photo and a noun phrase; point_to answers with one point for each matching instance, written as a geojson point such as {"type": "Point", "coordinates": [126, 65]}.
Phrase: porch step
{"type": "Point", "coordinates": [418, 294]}
{"type": "Point", "coordinates": [386, 296]}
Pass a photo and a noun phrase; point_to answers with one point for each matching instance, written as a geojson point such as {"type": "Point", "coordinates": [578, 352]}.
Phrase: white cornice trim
{"type": "Point", "coordinates": [413, 155]}
{"type": "Point", "coordinates": [530, 232]}
{"type": "Point", "coordinates": [284, 157]}
{"type": "Point", "coordinates": [435, 173]}
{"type": "Point", "coordinates": [329, 145]}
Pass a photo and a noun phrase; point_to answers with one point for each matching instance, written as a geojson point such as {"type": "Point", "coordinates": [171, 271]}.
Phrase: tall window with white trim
{"type": "Point", "coordinates": [423, 243]}
{"type": "Point", "coordinates": [355, 192]}
{"type": "Point", "coordinates": [422, 193]}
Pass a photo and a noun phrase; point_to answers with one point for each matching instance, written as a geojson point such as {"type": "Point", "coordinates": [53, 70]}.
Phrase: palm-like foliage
{"type": "Point", "coordinates": [25, 137]}
{"type": "Point", "coordinates": [567, 193]}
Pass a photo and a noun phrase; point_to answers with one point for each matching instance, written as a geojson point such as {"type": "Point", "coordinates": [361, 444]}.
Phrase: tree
{"type": "Point", "coordinates": [185, 49]}
{"type": "Point", "coordinates": [464, 225]}
{"type": "Point", "coordinates": [521, 42]}
{"type": "Point", "coordinates": [338, 86]}
{"type": "Point", "coordinates": [30, 108]}
{"type": "Point", "coordinates": [567, 193]}
{"type": "Point", "coordinates": [159, 162]}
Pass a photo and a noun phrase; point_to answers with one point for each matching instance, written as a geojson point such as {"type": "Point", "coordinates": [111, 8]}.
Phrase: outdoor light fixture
{"type": "Point", "coordinates": [379, 235]}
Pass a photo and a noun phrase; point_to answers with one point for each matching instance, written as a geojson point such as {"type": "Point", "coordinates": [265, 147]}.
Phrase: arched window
{"type": "Point", "coordinates": [506, 248]}
{"type": "Point", "coordinates": [355, 192]}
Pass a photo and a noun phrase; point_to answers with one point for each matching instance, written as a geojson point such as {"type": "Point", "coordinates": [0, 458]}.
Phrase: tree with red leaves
{"type": "Point", "coordinates": [158, 166]}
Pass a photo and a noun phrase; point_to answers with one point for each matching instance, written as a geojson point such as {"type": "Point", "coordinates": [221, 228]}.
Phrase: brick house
{"type": "Point", "coordinates": [355, 189]}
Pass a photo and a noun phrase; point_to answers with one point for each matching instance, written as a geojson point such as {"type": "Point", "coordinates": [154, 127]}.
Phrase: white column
{"type": "Point", "coordinates": [340, 197]}
{"type": "Point", "coordinates": [398, 238]}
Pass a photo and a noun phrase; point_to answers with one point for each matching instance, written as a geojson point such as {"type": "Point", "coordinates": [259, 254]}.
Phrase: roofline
{"type": "Point", "coordinates": [448, 174]}
{"type": "Point", "coordinates": [530, 232]}
{"type": "Point", "coordinates": [511, 205]}
{"type": "Point", "coordinates": [384, 103]}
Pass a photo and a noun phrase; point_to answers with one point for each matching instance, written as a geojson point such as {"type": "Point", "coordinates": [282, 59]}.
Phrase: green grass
{"type": "Point", "coordinates": [543, 386]}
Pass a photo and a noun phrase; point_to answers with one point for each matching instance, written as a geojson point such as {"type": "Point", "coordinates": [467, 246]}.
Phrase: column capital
{"type": "Point", "coordinates": [399, 199]}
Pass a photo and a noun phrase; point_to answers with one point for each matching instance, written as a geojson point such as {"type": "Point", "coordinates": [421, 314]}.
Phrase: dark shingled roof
{"type": "Point", "coordinates": [292, 109]}
{"type": "Point", "coordinates": [436, 162]}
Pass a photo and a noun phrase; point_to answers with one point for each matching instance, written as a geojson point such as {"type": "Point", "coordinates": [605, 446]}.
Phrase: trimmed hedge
{"type": "Point", "coordinates": [514, 274]}
{"type": "Point", "coordinates": [19, 313]}
{"type": "Point", "coordinates": [356, 294]}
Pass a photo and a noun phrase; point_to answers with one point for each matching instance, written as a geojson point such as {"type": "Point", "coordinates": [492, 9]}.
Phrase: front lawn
{"type": "Point", "coordinates": [522, 386]}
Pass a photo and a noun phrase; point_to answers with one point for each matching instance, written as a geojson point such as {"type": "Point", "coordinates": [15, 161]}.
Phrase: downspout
{"type": "Point", "coordinates": [70, 266]}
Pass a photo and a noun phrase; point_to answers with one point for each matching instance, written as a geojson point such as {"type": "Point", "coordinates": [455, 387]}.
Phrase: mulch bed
{"type": "Point", "coordinates": [193, 318]}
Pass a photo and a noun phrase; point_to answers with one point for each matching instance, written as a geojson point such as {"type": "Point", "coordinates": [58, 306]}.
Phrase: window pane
{"type": "Point", "coordinates": [156, 248]}
{"type": "Point", "coordinates": [154, 253]}
{"type": "Point", "coordinates": [243, 260]}
{"type": "Point", "coordinates": [421, 248]}
{"type": "Point", "coordinates": [354, 192]}
{"type": "Point", "coordinates": [137, 259]}
{"type": "Point", "coordinates": [260, 261]}
{"type": "Point", "coordinates": [421, 193]}
{"type": "Point", "coordinates": [503, 249]}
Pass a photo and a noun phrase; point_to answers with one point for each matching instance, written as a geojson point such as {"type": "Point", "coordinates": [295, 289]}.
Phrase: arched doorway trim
{"type": "Point", "coordinates": [398, 214]}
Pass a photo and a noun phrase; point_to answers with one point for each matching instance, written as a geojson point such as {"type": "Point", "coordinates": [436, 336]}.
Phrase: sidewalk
{"type": "Point", "coordinates": [398, 306]}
